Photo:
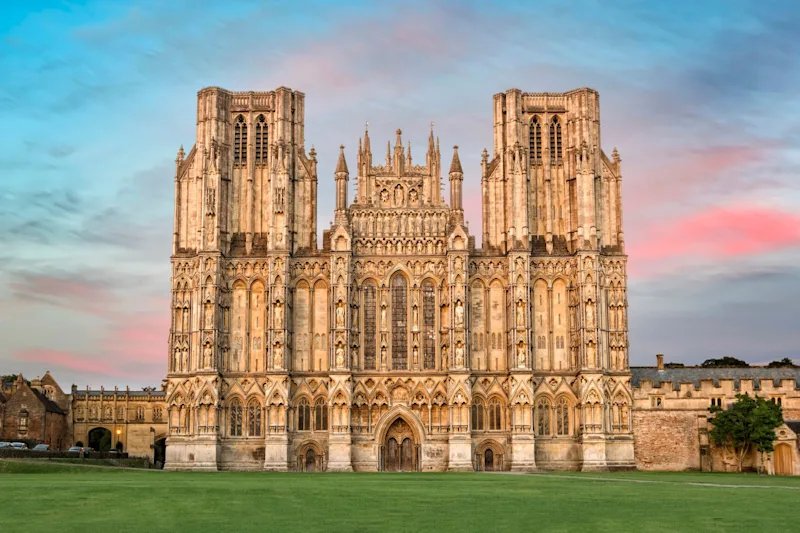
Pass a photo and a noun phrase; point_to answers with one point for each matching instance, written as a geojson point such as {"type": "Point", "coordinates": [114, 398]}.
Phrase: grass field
{"type": "Point", "coordinates": [65, 497]}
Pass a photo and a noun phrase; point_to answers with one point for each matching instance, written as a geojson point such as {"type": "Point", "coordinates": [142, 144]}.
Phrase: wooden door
{"type": "Point", "coordinates": [783, 460]}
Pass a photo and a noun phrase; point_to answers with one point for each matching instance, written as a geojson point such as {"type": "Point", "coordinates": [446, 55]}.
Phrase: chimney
{"type": "Point", "coordinates": [660, 361]}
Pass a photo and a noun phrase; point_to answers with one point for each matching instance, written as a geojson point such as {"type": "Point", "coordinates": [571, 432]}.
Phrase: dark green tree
{"type": "Point", "coordinates": [783, 363]}
{"type": "Point", "coordinates": [749, 423]}
{"type": "Point", "coordinates": [723, 362]}
{"type": "Point", "coordinates": [674, 365]}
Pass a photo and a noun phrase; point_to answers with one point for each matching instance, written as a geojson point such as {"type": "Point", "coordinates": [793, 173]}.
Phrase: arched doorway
{"type": "Point", "coordinates": [100, 439]}
{"type": "Point", "coordinates": [488, 460]}
{"type": "Point", "coordinates": [160, 452]}
{"type": "Point", "coordinates": [310, 461]}
{"type": "Point", "coordinates": [400, 451]}
{"type": "Point", "coordinates": [783, 460]}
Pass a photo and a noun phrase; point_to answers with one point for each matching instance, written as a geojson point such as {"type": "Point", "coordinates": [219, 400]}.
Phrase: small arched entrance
{"type": "Point", "coordinates": [488, 460]}
{"type": "Point", "coordinates": [310, 461]}
{"type": "Point", "coordinates": [489, 457]}
{"type": "Point", "coordinates": [783, 460]}
{"type": "Point", "coordinates": [399, 451]}
{"type": "Point", "coordinates": [100, 439]}
{"type": "Point", "coordinates": [160, 452]}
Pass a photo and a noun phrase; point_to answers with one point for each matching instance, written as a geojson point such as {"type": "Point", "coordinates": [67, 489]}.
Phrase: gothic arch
{"type": "Point", "coordinates": [395, 412]}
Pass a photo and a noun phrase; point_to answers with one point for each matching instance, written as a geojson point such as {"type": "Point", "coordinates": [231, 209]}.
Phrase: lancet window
{"type": "Point", "coordinates": [555, 139]}
{"type": "Point", "coordinates": [261, 141]}
{"type": "Point", "coordinates": [543, 417]}
{"type": "Point", "coordinates": [254, 419]}
{"type": "Point", "coordinates": [303, 415]}
{"type": "Point", "coordinates": [236, 418]}
{"type": "Point", "coordinates": [477, 415]}
{"type": "Point", "coordinates": [562, 417]}
{"type": "Point", "coordinates": [536, 141]}
{"type": "Point", "coordinates": [429, 324]}
{"type": "Point", "coordinates": [399, 323]}
{"type": "Point", "coordinates": [370, 331]}
{"type": "Point", "coordinates": [240, 142]}
{"type": "Point", "coordinates": [320, 415]}
{"type": "Point", "coordinates": [495, 415]}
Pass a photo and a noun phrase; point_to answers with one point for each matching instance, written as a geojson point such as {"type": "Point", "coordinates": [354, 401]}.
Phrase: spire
{"type": "Point", "coordinates": [399, 142]}
{"type": "Point", "coordinates": [366, 138]}
{"type": "Point", "coordinates": [455, 166]}
{"type": "Point", "coordinates": [615, 155]}
{"type": "Point", "coordinates": [408, 157]}
{"type": "Point", "coordinates": [388, 153]}
{"type": "Point", "coordinates": [431, 147]}
{"type": "Point", "coordinates": [313, 153]}
{"type": "Point", "coordinates": [341, 165]}
{"type": "Point", "coordinates": [181, 154]}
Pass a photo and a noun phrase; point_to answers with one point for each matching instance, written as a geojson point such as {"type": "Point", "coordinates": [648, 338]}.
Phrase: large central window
{"type": "Point", "coordinates": [370, 338]}
{"type": "Point", "coordinates": [429, 324]}
{"type": "Point", "coordinates": [399, 323]}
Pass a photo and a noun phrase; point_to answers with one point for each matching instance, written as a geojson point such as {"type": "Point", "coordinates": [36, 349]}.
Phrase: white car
{"type": "Point", "coordinates": [19, 445]}
{"type": "Point", "coordinates": [5, 445]}
{"type": "Point", "coordinates": [41, 448]}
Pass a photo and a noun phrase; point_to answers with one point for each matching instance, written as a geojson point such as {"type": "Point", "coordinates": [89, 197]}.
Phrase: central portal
{"type": "Point", "coordinates": [399, 451]}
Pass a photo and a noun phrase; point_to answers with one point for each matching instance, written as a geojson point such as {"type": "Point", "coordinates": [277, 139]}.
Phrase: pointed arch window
{"type": "Point", "coordinates": [429, 324]}
{"type": "Point", "coordinates": [543, 417]}
{"type": "Point", "coordinates": [562, 417]}
{"type": "Point", "coordinates": [239, 142]}
{"type": "Point", "coordinates": [254, 419]}
{"type": "Point", "coordinates": [261, 141]}
{"type": "Point", "coordinates": [370, 331]}
{"type": "Point", "coordinates": [236, 418]}
{"type": "Point", "coordinates": [399, 323]}
{"type": "Point", "coordinates": [320, 415]}
{"type": "Point", "coordinates": [477, 415]}
{"type": "Point", "coordinates": [536, 141]}
{"type": "Point", "coordinates": [495, 415]}
{"type": "Point", "coordinates": [555, 140]}
{"type": "Point", "coordinates": [303, 415]}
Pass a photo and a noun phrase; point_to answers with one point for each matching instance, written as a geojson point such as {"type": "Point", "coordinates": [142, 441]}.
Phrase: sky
{"type": "Point", "coordinates": [700, 98]}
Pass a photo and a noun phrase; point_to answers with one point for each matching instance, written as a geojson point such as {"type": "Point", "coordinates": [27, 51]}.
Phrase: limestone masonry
{"type": "Point", "coordinates": [396, 343]}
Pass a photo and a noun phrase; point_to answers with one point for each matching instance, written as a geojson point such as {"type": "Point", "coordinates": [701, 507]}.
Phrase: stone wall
{"type": "Point", "coordinates": [666, 440]}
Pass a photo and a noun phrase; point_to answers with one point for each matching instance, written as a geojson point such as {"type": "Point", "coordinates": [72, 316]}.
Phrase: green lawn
{"type": "Point", "coordinates": [64, 497]}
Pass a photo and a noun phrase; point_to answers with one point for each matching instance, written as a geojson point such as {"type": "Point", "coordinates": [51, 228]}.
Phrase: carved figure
{"type": "Point", "coordinates": [398, 195]}
{"type": "Point", "coordinates": [521, 354]}
{"type": "Point", "coordinates": [415, 355]}
{"type": "Point", "coordinates": [520, 314]}
{"type": "Point", "coordinates": [384, 196]}
{"type": "Point", "coordinates": [277, 356]}
{"type": "Point", "coordinates": [412, 195]}
{"type": "Point", "coordinates": [590, 315]}
{"type": "Point", "coordinates": [459, 314]}
{"type": "Point", "coordinates": [459, 354]}
{"type": "Point", "coordinates": [340, 315]}
{"type": "Point", "coordinates": [339, 355]}
{"type": "Point", "coordinates": [383, 315]}
{"type": "Point", "coordinates": [415, 317]}
{"type": "Point", "coordinates": [278, 315]}
{"type": "Point", "coordinates": [445, 357]}
{"type": "Point", "coordinates": [383, 355]}
{"type": "Point", "coordinates": [207, 352]}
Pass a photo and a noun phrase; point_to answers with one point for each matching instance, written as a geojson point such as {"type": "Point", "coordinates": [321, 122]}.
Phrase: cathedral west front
{"type": "Point", "coordinates": [396, 343]}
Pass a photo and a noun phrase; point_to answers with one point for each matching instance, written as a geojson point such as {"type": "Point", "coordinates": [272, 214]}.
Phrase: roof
{"type": "Point", "coordinates": [694, 374]}
{"type": "Point", "coordinates": [794, 425]}
{"type": "Point", "coordinates": [455, 165]}
{"type": "Point", "coordinates": [49, 405]}
{"type": "Point", "coordinates": [111, 393]}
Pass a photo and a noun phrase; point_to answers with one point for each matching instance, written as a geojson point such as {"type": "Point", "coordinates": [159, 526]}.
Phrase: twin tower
{"type": "Point", "coordinates": [396, 344]}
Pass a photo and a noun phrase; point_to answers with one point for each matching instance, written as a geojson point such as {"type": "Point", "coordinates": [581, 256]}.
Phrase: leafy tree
{"type": "Point", "coordinates": [674, 365]}
{"type": "Point", "coordinates": [783, 363]}
{"type": "Point", "coordinates": [723, 362]}
{"type": "Point", "coordinates": [748, 423]}
{"type": "Point", "coordinates": [7, 378]}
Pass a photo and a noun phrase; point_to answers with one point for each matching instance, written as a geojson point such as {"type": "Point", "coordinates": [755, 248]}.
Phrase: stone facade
{"type": "Point", "coordinates": [36, 413]}
{"type": "Point", "coordinates": [397, 344]}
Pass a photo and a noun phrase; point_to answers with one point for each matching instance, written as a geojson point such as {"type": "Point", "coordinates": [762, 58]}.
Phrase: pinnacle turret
{"type": "Point", "coordinates": [341, 165]}
{"type": "Point", "coordinates": [455, 166]}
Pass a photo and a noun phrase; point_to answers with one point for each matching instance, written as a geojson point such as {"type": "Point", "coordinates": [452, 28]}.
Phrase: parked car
{"type": "Point", "coordinates": [41, 448]}
{"type": "Point", "coordinates": [5, 445]}
{"type": "Point", "coordinates": [79, 449]}
{"type": "Point", "coordinates": [19, 445]}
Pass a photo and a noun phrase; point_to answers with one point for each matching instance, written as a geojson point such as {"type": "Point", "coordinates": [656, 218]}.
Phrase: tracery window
{"type": "Point", "coordinates": [303, 415]}
{"type": "Point", "coordinates": [239, 142]}
{"type": "Point", "coordinates": [22, 423]}
{"type": "Point", "coordinates": [429, 323]}
{"type": "Point", "coordinates": [543, 417]}
{"type": "Point", "coordinates": [536, 141]}
{"type": "Point", "coordinates": [262, 141]}
{"type": "Point", "coordinates": [495, 415]}
{"type": "Point", "coordinates": [140, 413]}
{"type": "Point", "coordinates": [562, 417]}
{"type": "Point", "coordinates": [254, 419]}
{"type": "Point", "coordinates": [555, 140]}
{"type": "Point", "coordinates": [541, 341]}
{"type": "Point", "coordinates": [236, 418]}
{"type": "Point", "coordinates": [370, 337]}
{"type": "Point", "coordinates": [320, 415]}
{"type": "Point", "coordinates": [477, 415]}
{"type": "Point", "coordinates": [399, 323]}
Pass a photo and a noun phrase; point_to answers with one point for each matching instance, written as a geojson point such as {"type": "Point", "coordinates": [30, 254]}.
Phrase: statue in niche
{"type": "Point", "coordinates": [383, 314]}
{"type": "Point", "coordinates": [354, 318]}
{"type": "Point", "coordinates": [176, 355]}
{"type": "Point", "coordinates": [415, 317]}
{"type": "Point", "coordinates": [354, 356]}
{"type": "Point", "coordinates": [339, 355]}
{"type": "Point", "coordinates": [278, 315]}
{"type": "Point", "coordinates": [185, 362]}
{"type": "Point", "coordinates": [209, 316]}
{"type": "Point", "coordinates": [521, 354]}
{"type": "Point", "coordinates": [93, 413]}
{"type": "Point", "coordinates": [590, 354]}
{"type": "Point", "coordinates": [415, 355]}
{"type": "Point", "coordinates": [207, 356]}
{"type": "Point", "coordinates": [340, 314]}
{"type": "Point", "coordinates": [383, 355]}
{"type": "Point", "coordinates": [445, 357]}
{"type": "Point", "coordinates": [398, 195]}
{"type": "Point", "coordinates": [459, 354]}
{"type": "Point", "coordinates": [520, 314]}
{"type": "Point", "coordinates": [412, 196]}
{"type": "Point", "coordinates": [459, 314]}
{"type": "Point", "coordinates": [384, 196]}
{"type": "Point", "coordinates": [590, 315]}
{"type": "Point", "coordinates": [277, 355]}
{"type": "Point", "coordinates": [107, 412]}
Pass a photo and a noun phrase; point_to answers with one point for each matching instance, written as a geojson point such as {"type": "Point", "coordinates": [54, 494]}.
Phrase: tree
{"type": "Point", "coordinates": [724, 361]}
{"type": "Point", "coordinates": [748, 423]}
{"type": "Point", "coordinates": [783, 363]}
{"type": "Point", "coordinates": [674, 365]}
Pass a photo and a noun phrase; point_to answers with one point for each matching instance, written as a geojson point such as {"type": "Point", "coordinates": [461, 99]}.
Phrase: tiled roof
{"type": "Point", "coordinates": [695, 374]}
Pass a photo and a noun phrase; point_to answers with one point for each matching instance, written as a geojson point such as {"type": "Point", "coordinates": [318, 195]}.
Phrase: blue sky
{"type": "Point", "coordinates": [700, 98]}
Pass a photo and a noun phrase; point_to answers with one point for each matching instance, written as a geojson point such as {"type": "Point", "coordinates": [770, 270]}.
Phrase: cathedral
{"type": "Point", "coordinates": [397, 344]}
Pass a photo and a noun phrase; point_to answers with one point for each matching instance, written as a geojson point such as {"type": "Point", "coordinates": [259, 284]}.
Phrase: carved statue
{"type": "Point", "coordinates": [384, 196]}
{"type": "Point", "coordinates": [277, 356]}
{"type": "Point", "coordinates": [445, 357]}
{"type": "Point", "coordinates": [459, 314]}
{"type": "Point", "coordinates": [383, 355]}
{"type": "Point", "coordinates": [383, 315]}
{"type": "Point", "coordinates": [412, 195]}
{"type": "Point", "coordinates": [207, 356]}
{"type": "Point", "coordinates": [590, 315]}
{"type": "Point", "coordinates": [459, 354]}
{"type": "Point", "coordinates": [415, 317]}
{"type": "Point", "coordinates": [209, 316]}
{"type": "Point", "coordinates": [340, 315]}
{"type": "Point", "coordinates": [520, 314]}
{"type": "Point", "coordinates": [590, 354]}
{"type": "Point", "coordinates": [521, 354]}
{"type": "Point", "coordinates": [415, 355]}
{"type": "Point", "coordinates": [278, 315]}
{"type": "Point", "coordinates": [339, 355]}
{"type": "Point", "coordinates": [354, 356]}
{"type": "Point", "coordinates": [398, 195]}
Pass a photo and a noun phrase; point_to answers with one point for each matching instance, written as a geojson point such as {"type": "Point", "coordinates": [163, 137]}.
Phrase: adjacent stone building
{"type": "Point", "coordinates": [35, 412]}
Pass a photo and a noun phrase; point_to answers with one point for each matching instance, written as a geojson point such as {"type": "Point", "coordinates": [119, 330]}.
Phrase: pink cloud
{"type": "Point", "coordinates": [55, 360]}
{"type": "Point", "coordinates": [140, 339]}
{"type": "Point", "coordinates": [717, 233]}
{"type": "Point", "coordinates": [76, 294]}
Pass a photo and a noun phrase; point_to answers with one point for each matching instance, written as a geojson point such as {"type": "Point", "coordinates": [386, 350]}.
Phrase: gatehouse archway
{"type": "Point", "coordinates": [100, 439]}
